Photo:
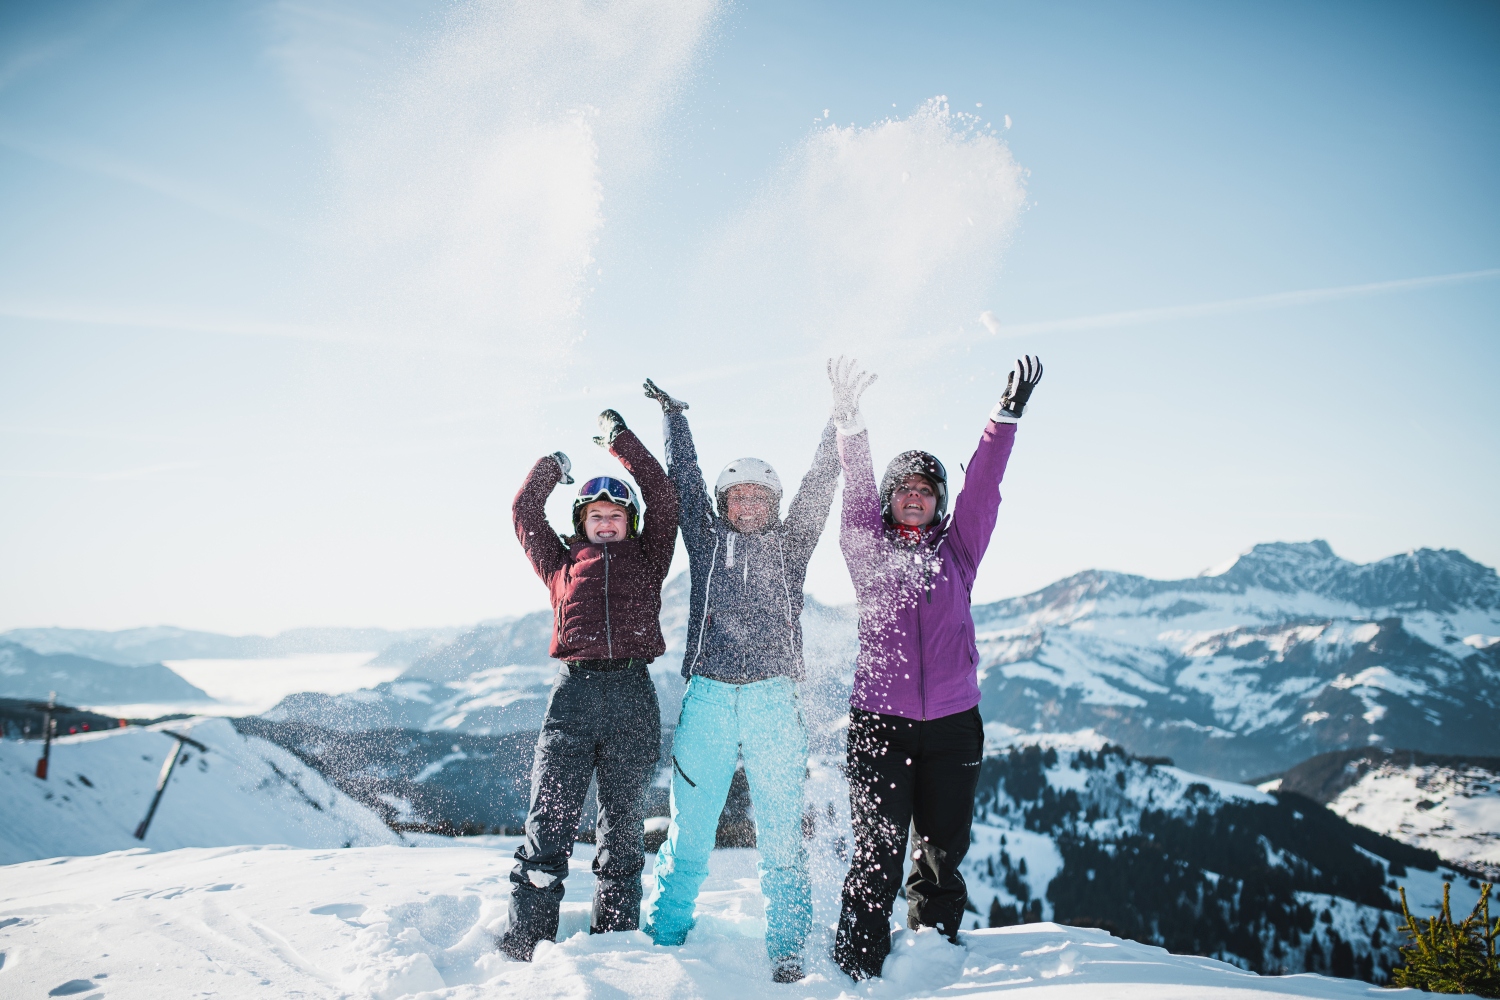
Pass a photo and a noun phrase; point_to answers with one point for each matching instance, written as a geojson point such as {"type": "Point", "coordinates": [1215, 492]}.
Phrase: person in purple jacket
{"type": "Point", "coordinates": [915, 736]}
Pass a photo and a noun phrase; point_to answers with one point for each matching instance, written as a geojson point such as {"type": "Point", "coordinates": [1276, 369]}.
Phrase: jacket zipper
{"type": "Point", "coordinates": [609, 641]}
{"type": "Point", "coordinates": [921, 662]}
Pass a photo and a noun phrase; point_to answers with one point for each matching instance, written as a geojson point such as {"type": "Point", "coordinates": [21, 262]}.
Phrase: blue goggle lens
{"type": "Point", "coordinates": [604, 488]}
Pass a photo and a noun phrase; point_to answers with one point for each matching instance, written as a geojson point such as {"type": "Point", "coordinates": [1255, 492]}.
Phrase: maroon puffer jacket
{"type": "Point", "coordinates": [606, 599]}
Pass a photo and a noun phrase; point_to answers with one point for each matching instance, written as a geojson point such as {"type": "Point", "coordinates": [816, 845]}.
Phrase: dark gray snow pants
{"type": "Point", "coordinates": [604, 721]}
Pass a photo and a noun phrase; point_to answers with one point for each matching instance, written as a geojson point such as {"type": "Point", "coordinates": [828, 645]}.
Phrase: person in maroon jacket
{"type": "Point", "coordinates": [602, 717]}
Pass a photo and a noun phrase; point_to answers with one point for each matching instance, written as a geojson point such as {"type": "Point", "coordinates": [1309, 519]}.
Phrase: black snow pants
{"type": "Point", "coordinates": [604, 721]}
{"type": "Point", "coordinates": [906, 772]}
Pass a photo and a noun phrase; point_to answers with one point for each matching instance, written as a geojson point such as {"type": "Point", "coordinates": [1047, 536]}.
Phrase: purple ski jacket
{"type": "Point", "coordinates": [917, 657]}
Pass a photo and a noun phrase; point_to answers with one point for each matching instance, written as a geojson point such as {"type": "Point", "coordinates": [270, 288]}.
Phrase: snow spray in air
{"type": "Point", "coordinates": [868, 233]}
{"type": "Point", "coordinates": [469, 197]}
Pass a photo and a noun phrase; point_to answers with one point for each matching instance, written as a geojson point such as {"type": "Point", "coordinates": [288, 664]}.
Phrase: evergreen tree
{"type": "Point", "coordinates": [1445, 957]}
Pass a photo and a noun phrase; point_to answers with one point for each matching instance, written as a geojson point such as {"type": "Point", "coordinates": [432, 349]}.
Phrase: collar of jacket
{"type": "Point", "coordinates": [931, 535]}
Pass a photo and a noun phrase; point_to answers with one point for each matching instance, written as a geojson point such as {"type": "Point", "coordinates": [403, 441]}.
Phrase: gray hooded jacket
{"type": "Point", "coordinates": [745, 614]}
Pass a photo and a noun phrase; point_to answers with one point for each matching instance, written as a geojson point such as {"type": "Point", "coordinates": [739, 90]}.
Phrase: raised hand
{"type": "Point", "coordinates": [849, 383]}
{"type": "Point", "coordinates": [668, 404]}
{"type": "Point", "coordinates": [610, 426]}
{"type": "Point", "coordinates": [1018, 387]}
{"type": "Point", "coordinates": [565, 466]}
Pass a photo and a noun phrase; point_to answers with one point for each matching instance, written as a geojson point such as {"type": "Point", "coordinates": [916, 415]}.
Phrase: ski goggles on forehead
{"type": "Point", "coordinates": [605, 488]}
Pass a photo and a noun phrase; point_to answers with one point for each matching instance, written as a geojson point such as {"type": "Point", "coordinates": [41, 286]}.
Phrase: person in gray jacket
{"type": "Point", "coordinates": [743, 663]}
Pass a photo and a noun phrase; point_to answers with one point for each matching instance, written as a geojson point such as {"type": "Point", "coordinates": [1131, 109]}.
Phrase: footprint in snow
{"type": "Point", "coordinates": [344, 911]}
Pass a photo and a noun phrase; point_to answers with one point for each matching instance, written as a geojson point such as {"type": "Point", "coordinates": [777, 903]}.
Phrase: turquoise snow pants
{"type": "Point", "coordinates": [719, 722]}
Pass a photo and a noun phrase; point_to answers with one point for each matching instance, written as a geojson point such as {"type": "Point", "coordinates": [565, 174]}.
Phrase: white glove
{"type": "Point", "coordinates": [849, 383]}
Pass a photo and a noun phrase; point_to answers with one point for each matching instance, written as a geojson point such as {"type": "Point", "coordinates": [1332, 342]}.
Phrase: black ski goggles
{"type": "Point", "coordinates": [605, 488]}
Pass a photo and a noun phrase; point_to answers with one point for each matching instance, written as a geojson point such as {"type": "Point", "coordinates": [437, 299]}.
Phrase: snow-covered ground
{"type": "Point", "coordinates": [244, 790]}
{"type": "Point", "coordinates": [388, 922]}
{"type": "Point", "coordinates": [250, 687]}
{"type": "Point", "coordinates": [1454, 811]}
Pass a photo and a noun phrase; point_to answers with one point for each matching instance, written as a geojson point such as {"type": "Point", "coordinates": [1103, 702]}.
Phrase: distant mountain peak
{"type": "Point", "coordinates": [1285, 567]}
{"type": "Point", "coordinates": [1439, 580]}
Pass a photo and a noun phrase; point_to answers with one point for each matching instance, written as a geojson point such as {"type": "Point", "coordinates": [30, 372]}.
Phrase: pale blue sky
{"type": "Point", "coordinates": [292, 294]}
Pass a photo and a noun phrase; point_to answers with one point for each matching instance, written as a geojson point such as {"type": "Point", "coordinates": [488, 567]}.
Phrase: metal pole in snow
{"type": "Point", "coordinates": [48, 727]}
{"type": "Point", "coordinates": [165, 776]}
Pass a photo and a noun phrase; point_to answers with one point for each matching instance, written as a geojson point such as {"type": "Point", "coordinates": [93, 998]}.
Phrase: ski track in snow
{"type": "Point", "coordinates": [388, 922]}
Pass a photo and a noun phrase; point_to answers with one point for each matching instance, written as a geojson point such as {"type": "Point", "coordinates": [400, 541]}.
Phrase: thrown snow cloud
{"type": "Point", "coordinates": [469, 193]}
{"type": "Point", "coordinates": [876, 233]}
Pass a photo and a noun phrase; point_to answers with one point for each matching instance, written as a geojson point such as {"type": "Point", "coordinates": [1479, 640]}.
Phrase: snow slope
{"type": "Point", "coordinates": [1446, 804]}
{"type": "Point", "coordinates": [244, 790]}
{"type": "Point", "coordinates": [1453, 811]}
{"type": "Point", "coordinates": [386, 922]}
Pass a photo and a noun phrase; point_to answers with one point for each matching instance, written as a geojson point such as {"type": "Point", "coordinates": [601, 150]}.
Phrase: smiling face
{"type": "Point", "coordinates": [914, 502]}
{"type": "Point", "coordinates": [605, 522]}
{"type": "Point", "coordinates": [748, 507]}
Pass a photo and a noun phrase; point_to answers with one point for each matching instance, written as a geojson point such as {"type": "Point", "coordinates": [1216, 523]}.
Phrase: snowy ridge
{"type": "Point", "coordinates": [154, 644]}
{"type": "Point", "coordinates": [1450, 805]}
{"type": "Point", "coordinates": [1286, 653]}
{"type": "Point", "coordinates": [243, 791]}
{"type": "Point", "coordinates": [385, 923]}
{"type": "Point", "coordinates": [26, 673]}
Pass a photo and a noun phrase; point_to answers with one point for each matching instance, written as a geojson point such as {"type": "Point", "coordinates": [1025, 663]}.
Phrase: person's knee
{"type": "Point", "coordinates": [780, 845]}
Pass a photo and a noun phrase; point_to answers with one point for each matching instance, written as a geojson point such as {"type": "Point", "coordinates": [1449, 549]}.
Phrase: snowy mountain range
{"type": "Point", "coordinates": [26, 673]}
{"type": "Point", "coordinates": [1285, 653]}
{"type": "Point", "coordinates": [154, 644]}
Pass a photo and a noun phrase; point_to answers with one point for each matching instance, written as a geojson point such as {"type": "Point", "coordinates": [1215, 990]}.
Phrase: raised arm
{"type": "Point", "coordinates": [529, 513]}
{"type": "Point", "coordinates": [862, 526]}
{"type": "Point", "coordinates": [660, 535]}
{"type": "Point", "coordinates": [977, 506]}
{"type": "Point", "coordinates": [808, 512]}
{"type": "Point", "coordinates": [695, 505]}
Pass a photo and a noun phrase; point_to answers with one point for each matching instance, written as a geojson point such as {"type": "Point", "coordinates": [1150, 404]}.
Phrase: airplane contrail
{"type": "Point", "coordinates": [1277, 300]}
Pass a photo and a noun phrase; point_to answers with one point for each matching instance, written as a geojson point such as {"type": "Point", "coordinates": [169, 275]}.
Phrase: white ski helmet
{"type": "Point", "coordinates": [748, 470]}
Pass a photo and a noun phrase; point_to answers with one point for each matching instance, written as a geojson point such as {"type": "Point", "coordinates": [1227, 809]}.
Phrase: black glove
{"type": "Point", "coordinates": [610, 426]}
{"type": "Point", "coordinates": [1018, 387]}
{"type": "Point", "coordinates": [668, 404]}
{"type": "Point", "coordinates": [564, 465]}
